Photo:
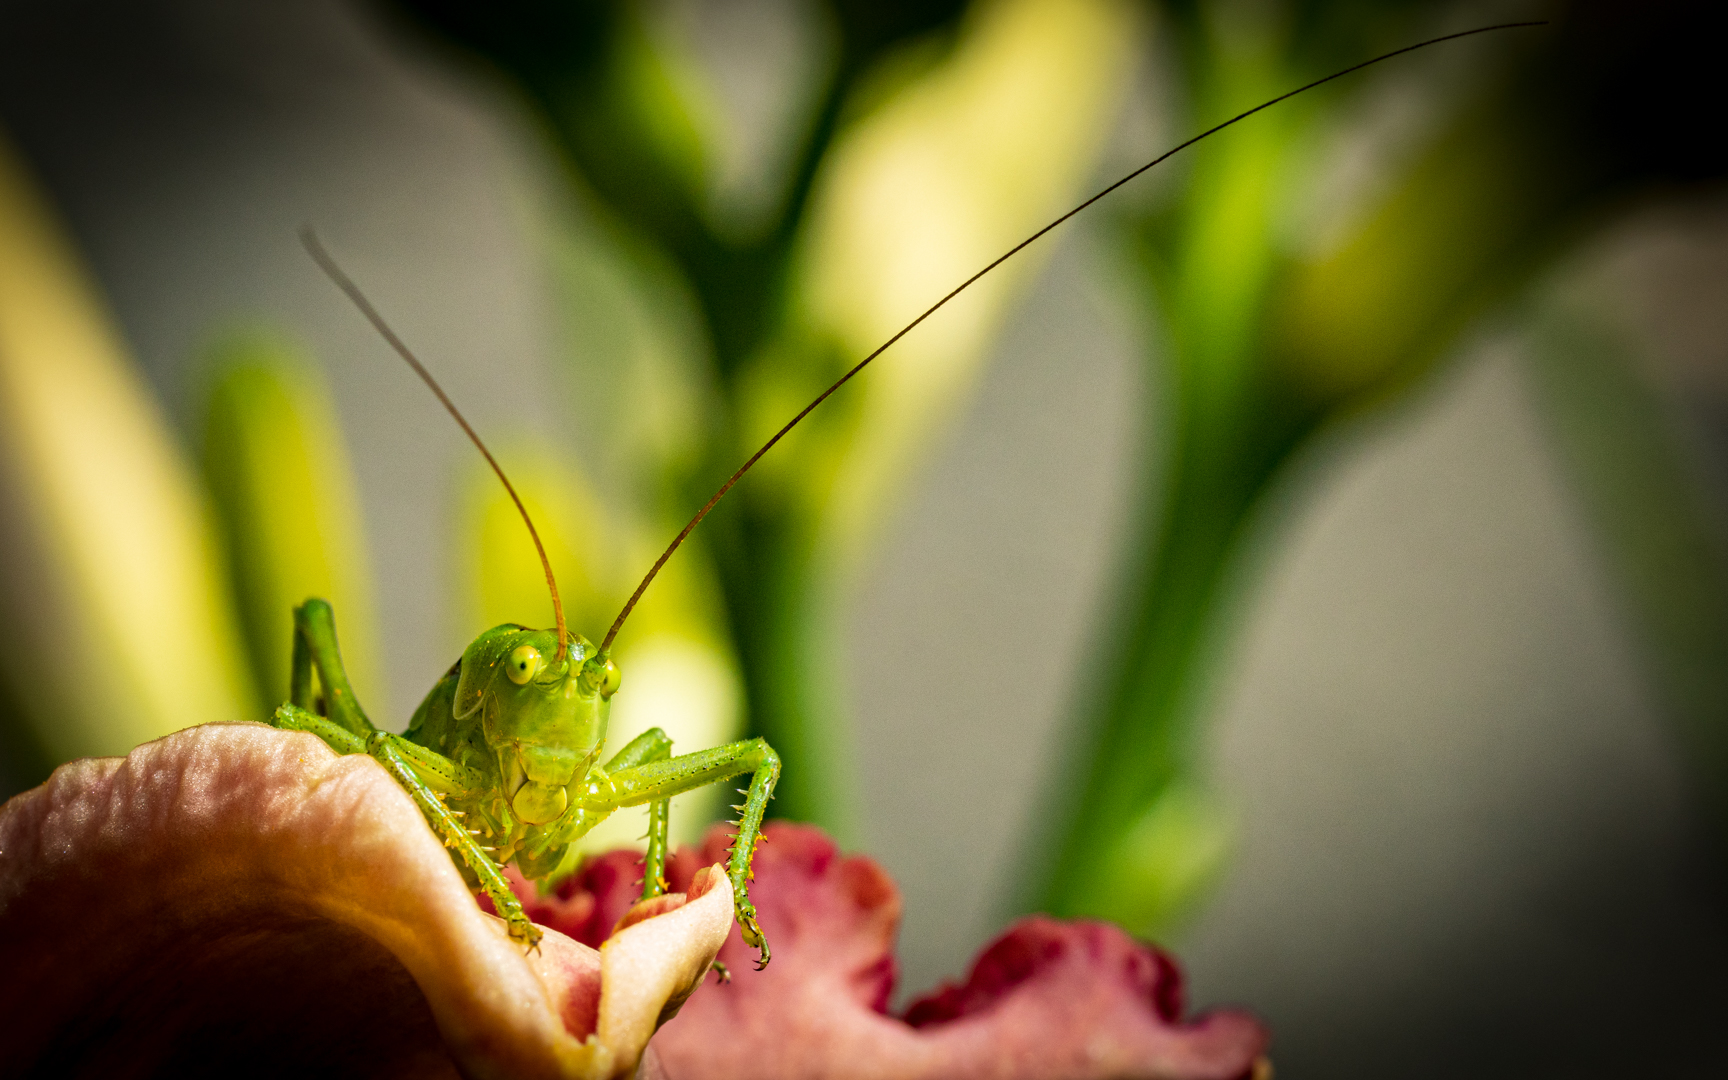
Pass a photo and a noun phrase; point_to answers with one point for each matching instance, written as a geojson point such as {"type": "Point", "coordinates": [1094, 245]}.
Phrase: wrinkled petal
{"type": "Point", "coordinates": [1081, 999]}
{"type": "Point", "coordinates": [232, 893]}
{"type": "Point", "coordinates": [1046, 1000]}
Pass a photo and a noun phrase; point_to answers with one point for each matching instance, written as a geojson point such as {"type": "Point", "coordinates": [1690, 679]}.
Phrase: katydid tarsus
{"type": "Point", "coordinates": [502, 756]}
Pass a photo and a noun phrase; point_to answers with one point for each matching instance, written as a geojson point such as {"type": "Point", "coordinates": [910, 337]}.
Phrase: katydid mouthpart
{"type": "Point", "coordinates": [502, 756]}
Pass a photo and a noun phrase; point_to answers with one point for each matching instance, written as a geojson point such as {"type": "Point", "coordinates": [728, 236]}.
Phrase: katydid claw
{"type": "Point", "coordinates": [525, 932]}
{"type": "Point", "coordinates": [753, 936]}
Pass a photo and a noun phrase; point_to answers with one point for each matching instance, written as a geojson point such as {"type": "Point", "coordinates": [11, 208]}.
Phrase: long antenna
{"type": "Point", "coordinates": [653, 571]}
{"type": "Point", "coordinates": [346, 284]}
{"type": "Point", "coordinates": [994, 263]}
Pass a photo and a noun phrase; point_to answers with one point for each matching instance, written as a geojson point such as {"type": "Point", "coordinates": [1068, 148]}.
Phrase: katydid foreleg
{"type": "Point", "coordinates": [428, 776]}
{"type": "Point", "coordinates": [657, 781]}
{"type": "Point", "coordinates": [650, 746]}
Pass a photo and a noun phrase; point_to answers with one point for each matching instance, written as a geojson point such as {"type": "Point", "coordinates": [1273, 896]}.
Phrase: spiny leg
{"type": "Point", "coordinates": [652, 745]}
{"type": "Point", "coordinates": [382, 747]}
{"type": "Point", "coordinates": [437, 771]}
{"type": "Point", "coordinates": [409, 765]}
{"type": "Point", "coordinates": [423, 773]}
{"type": "Point", "coordinates": [295, 718]}
{"type": "Point", "coordinates": [658, 780]}
{"type": "Point", "coordinates": [654, 859]}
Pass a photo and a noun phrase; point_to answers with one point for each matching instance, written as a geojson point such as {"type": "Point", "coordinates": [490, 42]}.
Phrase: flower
{"type": "Point", "coordinates": [1046, 1000]}
{"type": "Point", "coordinates": [233, 893]}
{"type": "Point", "coordinates": [237, 894]}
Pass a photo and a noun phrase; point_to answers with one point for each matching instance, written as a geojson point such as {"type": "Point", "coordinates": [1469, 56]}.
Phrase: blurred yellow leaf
{"type": "Point", "coordinates": [284, 493]}
{"type": "Point", "coordinates": [929, 188]}
{"type": "Point", "coordinates": [499, 570]}
{"type": "Point", "coordinates": [116, 626]}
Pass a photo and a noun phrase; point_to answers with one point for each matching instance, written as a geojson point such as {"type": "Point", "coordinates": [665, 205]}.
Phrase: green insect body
{"type": "Point", "coordinates": [503, 759]}
{"type": "Point", "coordinates": [503, 754]}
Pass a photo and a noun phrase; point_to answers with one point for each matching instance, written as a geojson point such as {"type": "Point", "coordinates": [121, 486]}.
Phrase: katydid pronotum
{"type": "Point", "coordinates": [502, 756]}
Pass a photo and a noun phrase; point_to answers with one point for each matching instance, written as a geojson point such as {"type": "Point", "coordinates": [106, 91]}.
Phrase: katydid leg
{"type": "Point", "coordinates": [652, 745]}
{"type": "Point", "coordinates": [455, 835]}
{"type": "Point", "coordinates": [315, 651]}
{"type": "Point", "coordinates": [656, 781]}
{"type": "Point", "coordinates": [437, 771]}
{"type": "Point", "coordinates": [434, 769]}
{"type": "Point", "coordinates": [654, 859]}
{"type": "Point", "coordinates": [338, 738]}
{"type": "Point", "coordinates": [426, 775]}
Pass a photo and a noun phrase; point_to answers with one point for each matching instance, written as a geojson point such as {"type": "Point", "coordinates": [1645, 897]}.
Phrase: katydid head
{"type": "Point", "coordinates": [542, 711]}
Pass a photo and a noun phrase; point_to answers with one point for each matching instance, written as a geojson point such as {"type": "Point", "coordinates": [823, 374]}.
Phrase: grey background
{"type": "Point", "coordinates": [1467, 844]}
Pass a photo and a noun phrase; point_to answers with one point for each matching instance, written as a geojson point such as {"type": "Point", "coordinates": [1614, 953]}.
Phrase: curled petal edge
{"type": "Point", "coordinates": [235, 878]}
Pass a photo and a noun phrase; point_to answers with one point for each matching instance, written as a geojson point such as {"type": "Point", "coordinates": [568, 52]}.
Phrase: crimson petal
{"type": "Point", "coordinates": [1048, 1000]}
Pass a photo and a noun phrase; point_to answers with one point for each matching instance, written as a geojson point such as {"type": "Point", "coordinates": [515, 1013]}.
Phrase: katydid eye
{"type": "Point", "coordinates": [523, 664]}
{"type": "Point", "coordinates": [610, 682]}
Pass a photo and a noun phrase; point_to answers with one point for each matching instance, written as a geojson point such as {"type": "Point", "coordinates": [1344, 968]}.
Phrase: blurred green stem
{"type": "Point", "coordinates": [1155, 673]}
{"type": "Point", "coordinates": [1265, 349]}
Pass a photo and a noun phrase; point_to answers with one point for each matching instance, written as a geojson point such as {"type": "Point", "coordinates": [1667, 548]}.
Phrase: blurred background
{"type": "Point", "coordinates": [1314, 558]}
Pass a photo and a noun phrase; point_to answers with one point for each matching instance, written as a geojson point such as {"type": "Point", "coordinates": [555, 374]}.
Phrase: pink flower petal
{"type": "Point", "coordinates": [1084, 999]}
{"type": "Point", "coordinates": [234, 896]}
{"type": "Point", "coordinates": [1047, 1000]}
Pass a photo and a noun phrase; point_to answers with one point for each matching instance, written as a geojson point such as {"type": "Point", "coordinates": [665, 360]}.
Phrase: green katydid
{"type": "Point", "coordinates": [502, 756]}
